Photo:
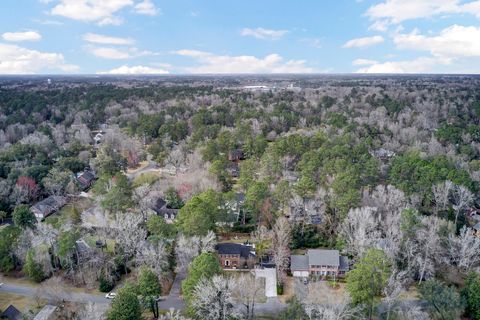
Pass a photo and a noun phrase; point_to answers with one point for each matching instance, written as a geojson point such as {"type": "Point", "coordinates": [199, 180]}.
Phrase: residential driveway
{"type": "Point", "coordinates": [273, 306]}
{"type": "Point", "coordinates": [270, 276]}
{"type": "Point", "coordinates": [173, 300]}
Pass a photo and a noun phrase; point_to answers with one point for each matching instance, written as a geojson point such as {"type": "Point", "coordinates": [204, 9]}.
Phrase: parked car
{"type": "Point", "coordinates": [111, 295]}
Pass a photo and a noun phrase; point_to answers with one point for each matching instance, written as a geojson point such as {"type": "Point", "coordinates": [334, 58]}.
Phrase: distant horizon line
{"type": "Point", "coordinates": [232, 74]}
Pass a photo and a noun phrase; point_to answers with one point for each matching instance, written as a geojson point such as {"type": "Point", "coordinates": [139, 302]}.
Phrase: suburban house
{"type": "Point", "coordinates": [161, 208]}
{"type": "Point", "coordinates": [47, 206]}
{"type": "Point", "coordinates": [85, 179]}
{"type": "Point", "coordinates": [11, 313]}
{"type": "Point", "coordinates": [317, 262]}
{"type": "Point", "coordinates": [236, 255]}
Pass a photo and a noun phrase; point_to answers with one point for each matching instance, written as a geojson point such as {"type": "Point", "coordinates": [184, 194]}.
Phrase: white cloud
{"type": "Point", "coordinates": [450, 49]}
{"type": "Point", "coordinates": [363, 62]}
{"type": "Point", "coordinates": [273, 63]}
{"type": "Point", "coordinates": [146, 7]}
{"type": "Point", "coordinates": [101, 12]}
{"type": "Point", "coordinates": [102, 39]}
{"type": "Point", "coordinates": [396, 11]}
{"type": "Point", "coordinates": [312, 42]}
{"type": "Point", "coordinates": [419, 65]}
{"type": "Point", "coordinates": [261, 33]}
{"type": "Point", "coordinates": [22, 36]}
{"type": "Point", "coordinates": [19, 60]}
{"type": "Point", "coordinates": [110, 21]}
{"type": "Point", "coordinates": [452, 42]}
{"type": "Point", "coordinates": [118, 53]}
{"type": "Point", "coordinates": [49, 22]}
{"type": "Point", "coordinates": [379, 25]}
{"type": "Point", "coordinates": [363, 42]}
{"type": "Point", "coordinates": [134, 70]}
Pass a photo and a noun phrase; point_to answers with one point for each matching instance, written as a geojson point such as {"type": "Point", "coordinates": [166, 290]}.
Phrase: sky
{"type": "Point", "coordinates": [223, 36]}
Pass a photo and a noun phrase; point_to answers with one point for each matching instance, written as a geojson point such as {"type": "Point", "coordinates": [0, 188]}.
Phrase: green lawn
{"type": "Point", "coordinates": [145, 178]}
{"type": "Point", "coordinates": [90, 240]}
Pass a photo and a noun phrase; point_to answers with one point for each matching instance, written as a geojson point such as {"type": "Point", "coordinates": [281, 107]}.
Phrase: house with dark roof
{"type": "Point", "coordinates": [161, 208]}
{"type": "Point", "coordinates": [47, 206]}
{"type": "Point", "coordinates": [319, 262]}
{"type": "Point", "coordinates": [11, 313]}
{"type": "Point", "coordinates": [236, 255]}
{"type": "Point", "coordinates": [85, 179]}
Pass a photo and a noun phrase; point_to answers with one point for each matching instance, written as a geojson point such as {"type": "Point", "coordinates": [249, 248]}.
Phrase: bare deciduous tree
{"type": "Point", "coordinates": [247, 291]}
{"type": "Point", "coordinates": [463, 251]}
{"type": "Point", "coordinates": [360, 230]}
{"type": "Point", "coordinates": [281, 250]}
{"type": "Point", "coordinates": [441, 195]}
{"type": "Point", "coordinates": [186, 249]}
{"type": "Point", "coordinates": [129, 235]}
{"type": "Point", "coordinates": [213, 298]}
{"type": "Point", "coordinates": [208, 242]}
{"type": "Point", "coordinates": [142, 197]}
{"type": "Point", "coordinates": [321, 304]}
{"type": "Point", "coordinates": [153, 255]}
{"type": "Point", "coordinates": [463, 198]}
{"type": "Point", "coordinates": [429, 240]}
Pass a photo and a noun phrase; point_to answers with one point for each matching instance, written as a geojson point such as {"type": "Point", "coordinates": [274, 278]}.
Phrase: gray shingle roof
{"type": "Point", "coordinates": [323, 257]}
{"type": "Point", "coordinates": [45, 313]}
{"type": "Point", "coordinates": [299, 263]}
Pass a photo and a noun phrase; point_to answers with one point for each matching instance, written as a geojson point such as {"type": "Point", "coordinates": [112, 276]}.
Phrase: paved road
{"type": "Point", "coordinates": [272, 306]}
{"type": "Point", "coordinates": [67, 296]}
{"type": "Point", "coordinates": [173, 300]}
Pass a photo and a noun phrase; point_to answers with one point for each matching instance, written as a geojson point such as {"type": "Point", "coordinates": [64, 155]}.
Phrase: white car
{"type": "Point", "coordinates": [111, 295]}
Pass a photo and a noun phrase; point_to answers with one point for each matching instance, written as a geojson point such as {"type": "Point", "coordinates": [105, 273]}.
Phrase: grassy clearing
{"type": "Point", "coordinates": [146, 178]}
{"type": "Point", "coordinates": [22, 303]}
{"type": "Point", "coordinates": [90, 240]}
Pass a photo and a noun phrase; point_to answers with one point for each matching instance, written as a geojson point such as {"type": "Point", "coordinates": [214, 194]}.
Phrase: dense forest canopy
{"type": "Point", "coordinates": [385, 169]}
